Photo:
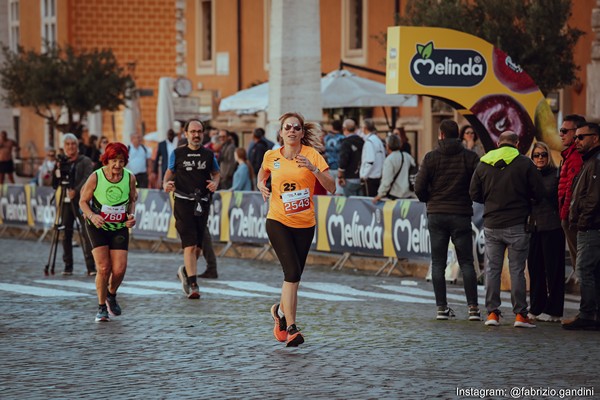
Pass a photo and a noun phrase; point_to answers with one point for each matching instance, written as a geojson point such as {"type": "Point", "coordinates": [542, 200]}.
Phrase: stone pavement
{"type": "Point", "coordinates": [366, 337]}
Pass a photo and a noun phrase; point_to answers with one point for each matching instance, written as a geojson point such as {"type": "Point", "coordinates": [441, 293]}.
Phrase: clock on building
{"type": "Point", "coordinates": [183, 87]}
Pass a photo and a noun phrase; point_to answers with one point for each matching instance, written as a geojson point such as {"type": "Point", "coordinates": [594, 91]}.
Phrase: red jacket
{"type": "Point", "coordinates": [570, 167]}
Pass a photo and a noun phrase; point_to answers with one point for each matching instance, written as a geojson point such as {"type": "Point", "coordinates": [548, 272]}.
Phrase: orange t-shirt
{"type": "Point", "coordinates": [292, 188]}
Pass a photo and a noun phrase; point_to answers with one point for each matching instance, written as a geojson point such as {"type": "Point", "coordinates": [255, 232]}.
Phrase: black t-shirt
{"type": "Point", "coordinates": [193, 169]}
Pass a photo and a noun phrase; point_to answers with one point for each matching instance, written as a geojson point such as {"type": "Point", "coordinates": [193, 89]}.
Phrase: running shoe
{"type": "Point", "coordinates": [182, 275]}
{"type": "Point", "coordinates": [113, 307]}
{"type": "Point", "coordinates": [474, 314]}
{"type": "Point", "coordinates": [102, 315]}
{"type": "Point", "coordinates": [194, 291]}
{"type": "Point", "coordinates": [493, 318]}
{"type": "Point", "coordinates": [523, 321]}
{"type": "Point", "coordinates": [294, 337]}
{"type": "Point", "coordinates": [444, 313]}
{"type": "Point", "coordinates": [279, 330]}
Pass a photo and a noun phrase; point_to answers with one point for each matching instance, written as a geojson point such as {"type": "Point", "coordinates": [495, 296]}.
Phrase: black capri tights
{"type": "Point", "coordinates": [291, 246]}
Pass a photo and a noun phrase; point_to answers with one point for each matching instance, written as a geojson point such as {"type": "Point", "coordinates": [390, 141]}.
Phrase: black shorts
{"type": "Point", "coordinates": [189, 226]}
{"type": "Point", "coordinates": [7, 167]}
{"type": "Point", "coordinates": [115, 240]}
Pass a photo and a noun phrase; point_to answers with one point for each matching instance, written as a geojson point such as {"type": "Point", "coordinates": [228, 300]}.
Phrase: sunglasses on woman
{"type": "Point", "coordinates": [289, 127]}
{"type": "Point", "coordinates": [539, 155]}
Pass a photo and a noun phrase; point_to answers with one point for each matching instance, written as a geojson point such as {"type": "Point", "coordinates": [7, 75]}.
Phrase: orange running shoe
{"type": "Point", "coordinates": [279, 330]}
{"type": "Point", "coordinates": [493, 318]}
{"type": "Point", "coordinates": [523, 321]}
{"type": "Point", "coordinates": [294, 337]}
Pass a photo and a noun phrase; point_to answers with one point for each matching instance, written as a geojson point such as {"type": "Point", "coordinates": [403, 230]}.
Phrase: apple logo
{"type": "Point", "coordinates": [511, 74]}
{"type": "Point", "coordinates": [499, 113]}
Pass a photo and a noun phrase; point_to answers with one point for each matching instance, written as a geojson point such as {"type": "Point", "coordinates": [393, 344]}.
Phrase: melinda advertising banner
{"type": "Point", "coordinates": [483, 83]}
{"type": "Point", "coordinates": [344, 225]}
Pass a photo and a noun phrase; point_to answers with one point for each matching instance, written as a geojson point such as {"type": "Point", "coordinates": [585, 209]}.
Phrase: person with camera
{"type": "Point", "coordinates": [193, 175]}
{"type": "Point", "coordinates": [71, 171]}
{"type": "Point", "coordinates": [108, 203]}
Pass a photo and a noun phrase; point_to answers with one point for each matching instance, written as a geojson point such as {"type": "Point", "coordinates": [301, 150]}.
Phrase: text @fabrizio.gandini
{"type": "Point", "coordinates": [518, 392]}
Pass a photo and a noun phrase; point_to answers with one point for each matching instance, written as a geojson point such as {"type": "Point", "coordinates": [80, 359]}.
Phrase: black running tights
{"type": "Point", "coordinates": [291, 246]}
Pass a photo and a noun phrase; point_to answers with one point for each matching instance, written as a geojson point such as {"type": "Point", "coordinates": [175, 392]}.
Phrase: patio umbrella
{"type": "Point", "coordinates": [94, 123]}
{"type": "Point", "coordinates": [247, 101]}
{"type": "Point", "coordinates": [131, 117]}
{"type": "Point", "coordinates": [340, 89]}
{"type": "Point", "coordinates": [165, 114]}
{"type": "Point", "coordinates": [343, 89]}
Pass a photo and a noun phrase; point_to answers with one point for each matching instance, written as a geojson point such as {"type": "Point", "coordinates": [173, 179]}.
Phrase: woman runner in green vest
{"type": "Point", "coordinates": [108, 203]}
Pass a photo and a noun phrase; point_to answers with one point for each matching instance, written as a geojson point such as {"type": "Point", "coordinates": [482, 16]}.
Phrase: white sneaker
{"type": "Point", "coordinates": [182, 275]}
{"type": "Point", "coordinates": [534, 317]}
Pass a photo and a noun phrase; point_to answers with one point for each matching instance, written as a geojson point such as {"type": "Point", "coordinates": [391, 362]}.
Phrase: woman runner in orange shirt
{"type": "Point", "coordinates": [294, 169]}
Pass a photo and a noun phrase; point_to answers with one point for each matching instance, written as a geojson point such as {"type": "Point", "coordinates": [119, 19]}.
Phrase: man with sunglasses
{"type": "Point", "coordinates": [584, 215]}
{"type": "Point", "coordinates": [569, 168]}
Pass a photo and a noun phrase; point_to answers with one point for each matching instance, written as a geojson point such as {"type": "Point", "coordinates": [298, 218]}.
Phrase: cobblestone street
{"type": "Point", "coordinates": [367, 337]}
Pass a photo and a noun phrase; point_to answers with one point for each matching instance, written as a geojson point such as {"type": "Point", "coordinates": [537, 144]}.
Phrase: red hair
{"type": "Point", "coordinates": [113, 150]}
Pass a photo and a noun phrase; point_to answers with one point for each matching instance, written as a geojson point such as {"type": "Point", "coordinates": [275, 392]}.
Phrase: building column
{"type": "Point", "coordinates": [295, 61]}
{"type": "Point", "coordinates": [593, 69]}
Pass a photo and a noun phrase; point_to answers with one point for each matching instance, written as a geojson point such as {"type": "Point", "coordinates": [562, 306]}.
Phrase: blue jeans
{"type": "Point", "coordinates": [442, 227]}
{"type": "Point", "coordinates": [588, 265]}
{"type": "Point", "coordinates": [497, 241]}
{"type": "Point", "coordinates": [353, 187]}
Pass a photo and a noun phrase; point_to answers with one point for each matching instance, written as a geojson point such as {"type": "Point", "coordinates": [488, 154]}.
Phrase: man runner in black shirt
{"type": "Point", "coordinates": [193, 175]}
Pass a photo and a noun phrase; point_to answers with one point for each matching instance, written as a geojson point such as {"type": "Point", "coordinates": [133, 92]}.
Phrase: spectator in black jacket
{"type": "Point", "coordinates": [349, 160]}
{"type": "Point", "coordinates": [546, 260]}
{"type": "Point", "coordinates": [585, 216]}
{"type": "Point", "coordinates": [443, 183]}
{"type": "Point", "coordinates": [507, 183]}
{"type": "Point", "coordinates": [257, 150]}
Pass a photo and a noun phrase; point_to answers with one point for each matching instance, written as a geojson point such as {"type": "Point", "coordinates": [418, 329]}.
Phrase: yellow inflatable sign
{"type": "Point", "coordinates": [482, 82]}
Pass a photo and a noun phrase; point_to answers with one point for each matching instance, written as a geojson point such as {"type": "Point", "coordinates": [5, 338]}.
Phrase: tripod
{"type": "Point", "coordinates": [58, 226]}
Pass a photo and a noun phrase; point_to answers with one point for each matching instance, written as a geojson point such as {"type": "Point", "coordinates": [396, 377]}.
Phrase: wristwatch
{"type": "Point", "coordinates": [316, 171]}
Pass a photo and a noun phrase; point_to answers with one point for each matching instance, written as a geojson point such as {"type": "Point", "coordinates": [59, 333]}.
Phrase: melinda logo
{"type": "Point", "coordinates": [447, 67]}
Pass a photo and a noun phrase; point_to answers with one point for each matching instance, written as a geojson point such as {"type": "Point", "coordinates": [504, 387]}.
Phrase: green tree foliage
{"type": "Point", "coordinates": [534, 33]}
{"type": "Point", "coordinates": [63, 79]}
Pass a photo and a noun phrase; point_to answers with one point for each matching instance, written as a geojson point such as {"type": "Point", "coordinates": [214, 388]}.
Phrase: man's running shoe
{"type": "Point", "coordinates": [493, 318]}
{"type": "Point", "coordinates": [522, 321]}
{"type": "Point", "coordinates": [444, 313]}
{"type": "Point", "coordinates": [113, 307]}
{"type": "Point", "coordinates": [294, 337]}
{"type": "Point", "coordinates": [182, 275]}
{"type": "Point", "coordinates": [194, 291]}
{"type": "Point", "coordinates": [102, 315]}
{"type": "Point", "coordinates": [474, 314]}
{"type": "Point", "coordinates": [279, 330]}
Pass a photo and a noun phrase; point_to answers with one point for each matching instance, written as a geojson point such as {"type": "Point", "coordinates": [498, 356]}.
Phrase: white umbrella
{"type": "Point", "coordinates": [247, 101]}
{"type": "Point", "coordinates": [152, 137]}
{"type": "Point", "coordinates": [165, 114]}
{"type": "Point", "coordinates": [130, 119]}
{"type": "Point", "coordinates": [339, 89]}
{"type": "Point", "coordinates": [94, 122]}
